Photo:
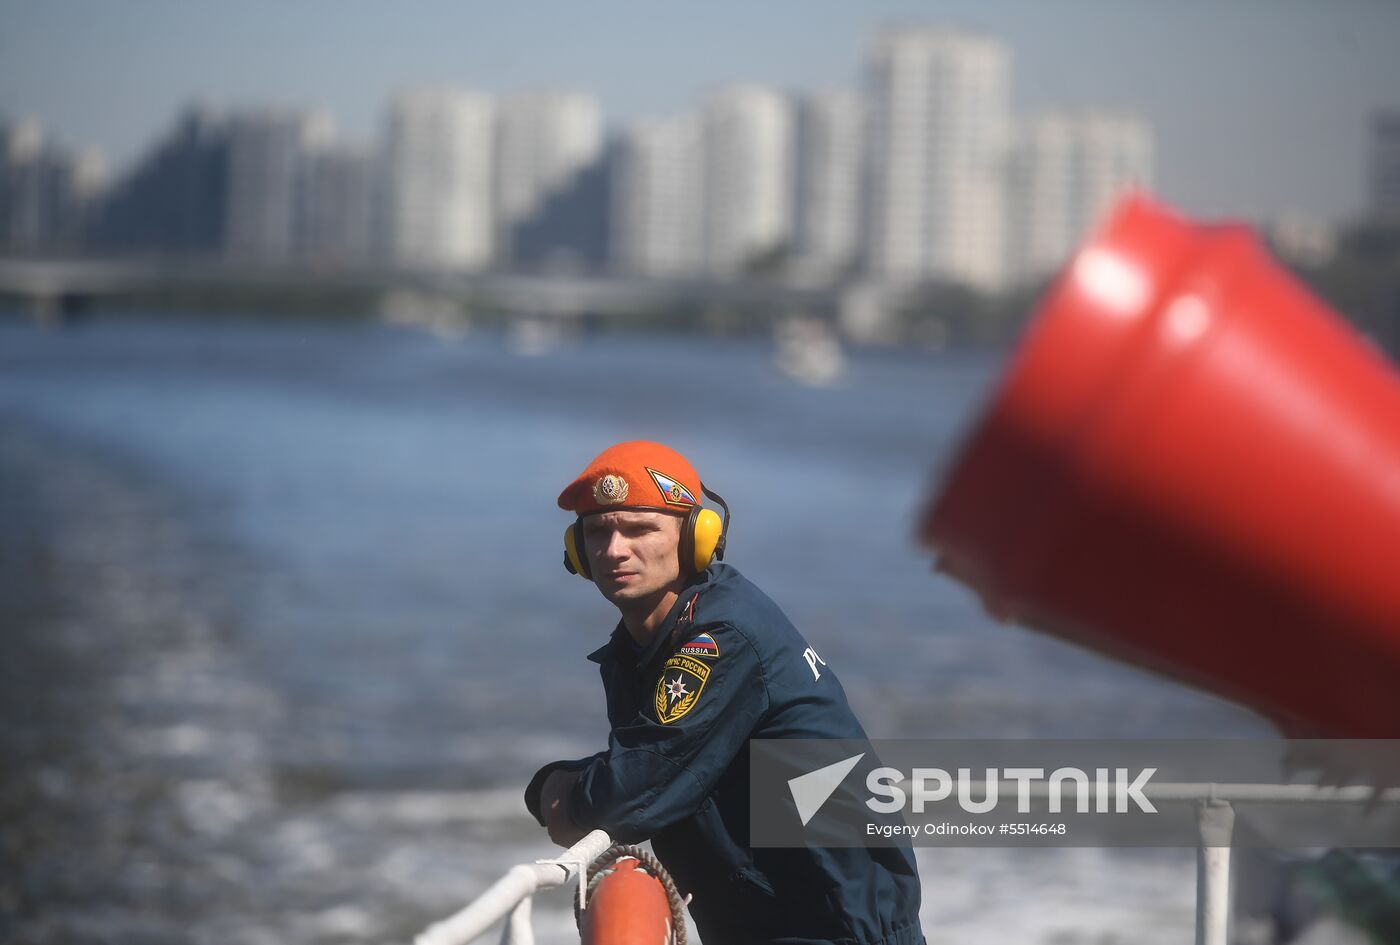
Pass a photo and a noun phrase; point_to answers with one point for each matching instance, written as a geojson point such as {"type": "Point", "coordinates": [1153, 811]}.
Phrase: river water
{"type": "Point", "coordinates": [286, 630]}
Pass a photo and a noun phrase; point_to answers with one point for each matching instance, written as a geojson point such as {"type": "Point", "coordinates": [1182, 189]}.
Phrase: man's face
{"type": "Point", "coordinates": [632, 554]}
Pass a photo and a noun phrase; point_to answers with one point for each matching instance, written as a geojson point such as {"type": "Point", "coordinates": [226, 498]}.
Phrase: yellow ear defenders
{"type": "Point", "coordinates": [703, 536]}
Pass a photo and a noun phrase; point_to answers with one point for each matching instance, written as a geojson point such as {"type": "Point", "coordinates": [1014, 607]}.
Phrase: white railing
{"type": "Point", "coordinates": [510, 896]}
{"type": "Point", "coordinates": [1215, 821]}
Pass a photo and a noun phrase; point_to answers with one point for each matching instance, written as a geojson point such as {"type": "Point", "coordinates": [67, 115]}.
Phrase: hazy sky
{"type": "Point", "coordinates": [1259, 105]}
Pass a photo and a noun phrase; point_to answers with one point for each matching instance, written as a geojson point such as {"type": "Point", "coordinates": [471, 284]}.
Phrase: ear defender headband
{"type": "Point", "coordinates": [703, 537]}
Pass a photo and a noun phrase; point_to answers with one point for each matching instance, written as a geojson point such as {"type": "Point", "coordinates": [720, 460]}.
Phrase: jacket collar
{"type": "Point", "coordinates": [619, 648]}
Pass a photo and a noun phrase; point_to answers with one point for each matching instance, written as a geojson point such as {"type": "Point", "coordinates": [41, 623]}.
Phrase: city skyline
{"type": "Point", "coordinates": [903, 180]}
{"type": "Point", "coordinates": [1259, 108]}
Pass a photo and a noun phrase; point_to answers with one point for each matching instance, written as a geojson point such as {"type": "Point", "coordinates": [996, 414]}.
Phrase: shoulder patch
{"type": "Point", "coordinates": [679, 687]}
{"type": "Point", "coordinates": [703, 645]}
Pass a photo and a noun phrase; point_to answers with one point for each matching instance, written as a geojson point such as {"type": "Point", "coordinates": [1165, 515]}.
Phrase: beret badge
{"type": "Point", "coordinates": [610, 490]}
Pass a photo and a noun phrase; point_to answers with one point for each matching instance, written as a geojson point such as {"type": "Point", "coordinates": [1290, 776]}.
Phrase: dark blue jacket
{"type": "Point", "coordinates": [727, 666]}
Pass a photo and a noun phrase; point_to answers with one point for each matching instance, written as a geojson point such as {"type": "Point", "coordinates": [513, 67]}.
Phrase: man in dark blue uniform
{"type": "Point", "coordinates": [701, 662]}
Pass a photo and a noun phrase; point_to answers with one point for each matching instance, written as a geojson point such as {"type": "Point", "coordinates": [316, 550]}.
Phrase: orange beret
{"type": "Point", "coordinates": [634, 475]}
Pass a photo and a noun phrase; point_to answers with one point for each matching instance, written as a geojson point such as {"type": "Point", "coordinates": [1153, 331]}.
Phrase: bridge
{"type": "Point", "coordinates": [53, 289]}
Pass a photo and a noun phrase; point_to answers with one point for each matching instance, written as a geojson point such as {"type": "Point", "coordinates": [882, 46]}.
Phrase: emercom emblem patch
{"type": "Point", "coordinates": [682, 680]}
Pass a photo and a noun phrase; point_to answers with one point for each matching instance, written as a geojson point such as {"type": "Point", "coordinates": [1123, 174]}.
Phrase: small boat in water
{"type": "Point", "coordinates": [808, 351]}
{"type": "Point", "coordinates": [533, 336]}
{"type": "Point", "coordinates": [437, 315]}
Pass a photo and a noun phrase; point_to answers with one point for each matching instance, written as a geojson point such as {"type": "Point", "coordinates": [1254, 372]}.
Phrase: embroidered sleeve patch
{"type": "Point", "coordinates": [682, 680]}
{"type": "Point", "coordinates": [703, 645]}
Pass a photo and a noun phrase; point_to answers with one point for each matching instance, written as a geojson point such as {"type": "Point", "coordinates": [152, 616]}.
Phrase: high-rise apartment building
{"type": "Point", "coordinates": [1385, 165]}
{"type": "Point", "coordinates": [1068, 167]}
{"type": "Point", "coordinates": [747, 145]}
{"type": "Point", "coordinates": [939, 121]}
{"type": "Point", "coordinates": [175, 199]}
{"type": "Point", "coordinates": [337, 206]}
{"type": "Point", "coordinates": [48, 194]}
{"type": "Point", "coordinates": [658, 200]}
{"type": "Point", "coordinates": [24, 186]}
{"type": "Point", "coordinates": [830, 138]}
{"type": "Point", "coordinates": [544, 140]}
{"type": "Point", "coordinates": [267, 159]}
{"type": "Point", "coordinates": [439, 154]}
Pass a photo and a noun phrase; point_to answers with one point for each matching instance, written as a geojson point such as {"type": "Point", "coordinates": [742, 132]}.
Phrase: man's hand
{"type": "Point", "coordinates": [554, 801]}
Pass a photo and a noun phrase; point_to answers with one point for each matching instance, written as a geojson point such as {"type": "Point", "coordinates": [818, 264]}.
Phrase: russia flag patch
{"type": "Point", "coordinates": [703, 645]}
{"type": "Point", "coordinates": [673, 492]}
